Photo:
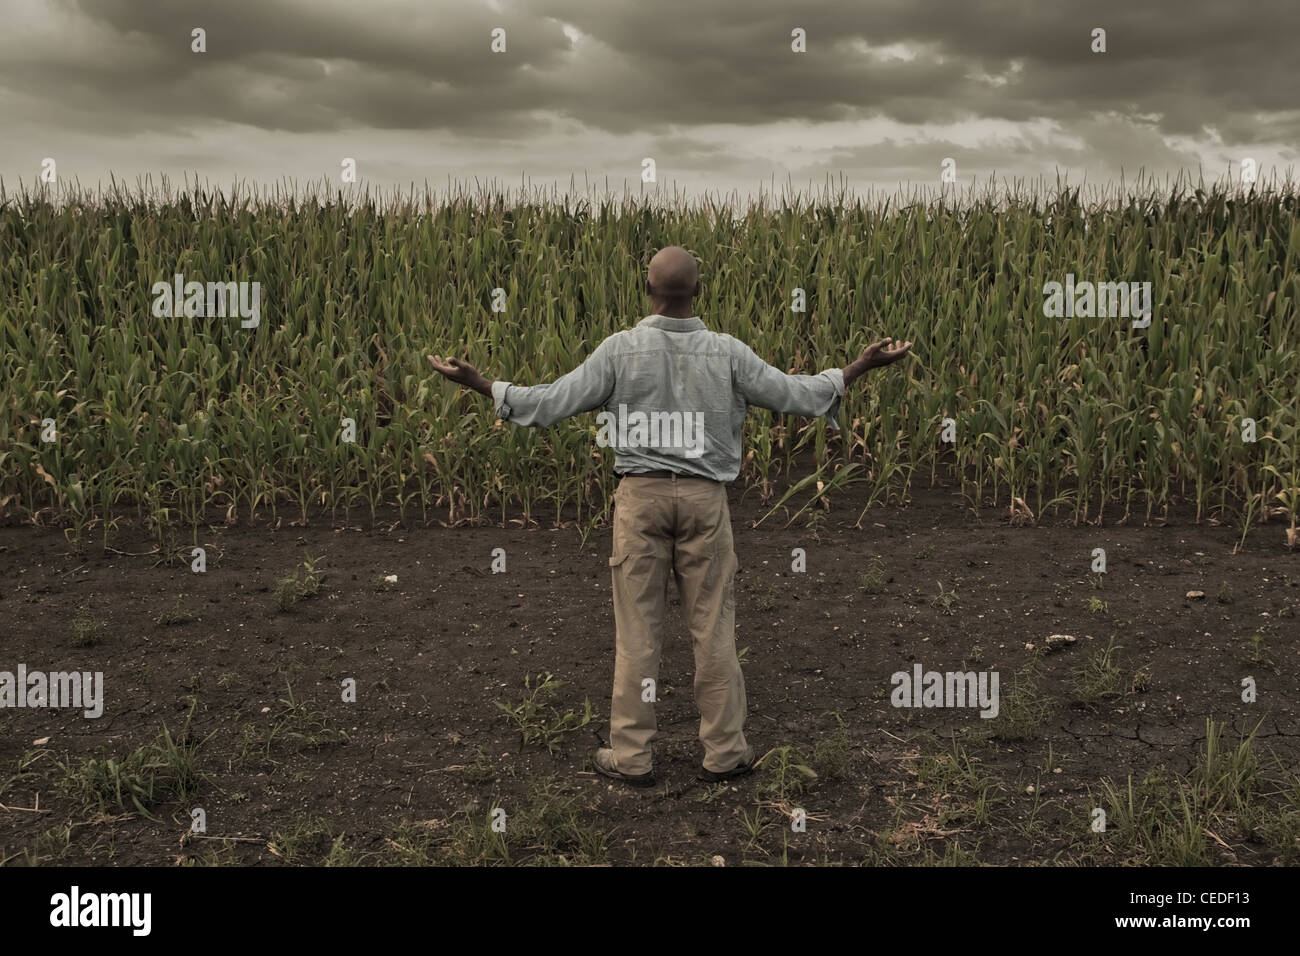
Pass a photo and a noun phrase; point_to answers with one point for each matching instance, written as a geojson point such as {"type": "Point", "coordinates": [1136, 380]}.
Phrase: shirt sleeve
{"type": "Point", "coordinates": [768, 387]}
{"type": "Point", "coordinates": [586, 388]}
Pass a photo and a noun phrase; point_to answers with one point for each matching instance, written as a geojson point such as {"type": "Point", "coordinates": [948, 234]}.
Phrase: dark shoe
{"type": "Point", "coordinates": [746, 766]}
{"type": "Point", "coordinates": [603, 761]}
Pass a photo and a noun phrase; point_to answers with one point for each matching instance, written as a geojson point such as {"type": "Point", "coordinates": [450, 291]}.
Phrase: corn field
{"type": "Point", "coordinates": [109, 411]}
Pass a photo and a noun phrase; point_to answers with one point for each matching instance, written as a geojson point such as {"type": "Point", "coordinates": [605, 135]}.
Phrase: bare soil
{"type": "Point", "coordinates": [410, 771]}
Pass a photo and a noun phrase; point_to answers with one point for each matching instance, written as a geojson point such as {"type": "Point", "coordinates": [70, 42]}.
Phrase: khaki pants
{"type": "Point", "coordinates": [682, 525]}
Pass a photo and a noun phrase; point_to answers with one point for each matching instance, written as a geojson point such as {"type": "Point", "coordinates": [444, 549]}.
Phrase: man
{"type": "Point", "coordinates": [680, 393]}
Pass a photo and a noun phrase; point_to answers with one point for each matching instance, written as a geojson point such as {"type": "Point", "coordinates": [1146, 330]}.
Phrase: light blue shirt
{"type": "Point", "coordinates": [673, 396]}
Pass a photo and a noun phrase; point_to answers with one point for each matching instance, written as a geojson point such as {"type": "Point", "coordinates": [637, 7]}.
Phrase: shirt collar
{"type": "Point", "coordinates": [693, 324]}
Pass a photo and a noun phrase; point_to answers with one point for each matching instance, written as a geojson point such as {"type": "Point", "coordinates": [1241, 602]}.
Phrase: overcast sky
{"type": "Point", "coordinates": [711, 89]}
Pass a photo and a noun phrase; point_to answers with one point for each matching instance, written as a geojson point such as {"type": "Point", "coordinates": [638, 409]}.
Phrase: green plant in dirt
{"type": "Point", "coordinates": [954, 854]}
{"type": "Point", "coordinates": [340, 854]}
{"type": "Point", "coordinates": [549, 829]}
{"type": "Point", "coordinates": [1141, 681]}
{"type": "Point", "coordinates": [1032, 827]}
{"type": "Point", "coordinates": [299, 584]}
{"type": "Point", "coordinates": [303, 727]}
{"type": "Point", "coordinates": [178, 613]}
{"type": "Point", "coordinates": [23, 770]}
{"type": "Point", "coordinates": [786, 773]}
{"type": "Point", "coordinates": [764, 596]}
{"type": "Point", "coordinates": [1181, 821]}
{"type": "Point", "coordinates": [897, 843]}
{"type": "Point", "coordinates": [50, 847]}
{"type": "Point", "coordinates": [540, 722]}
{"type": "Point", "coordinates": [1225, 593]}
{"type": "Point", "coordinates": [589, 527]}
{"type": "Point", "coordinates": [1226, 778]}
{"type": "Point", "coordinates": [945, 602]}
{"type": "Point", "coordinates": [225, 853]}
{"type": "Point", "coordinates": [294, 726]}
{"type": "Point", "coordinates": [713, 792]}
{"type": "Point", "coordinates": [1257, 650]}
{"type": "Point", "coordinates": [966, 794]}
{"type": "Point", "coordinates": [1280, 827]}
{"type": "Point", "coordinates": [1097, 606]}
{"type": "Point", "coordinates": [815, 524]}
{"type": "Point", "coordinates": [874, 577]}
{"type": "Point", "coordinates": [481, 770]}
{"type": "Point", "coordinates": [840, 479]}
{"type": "Point", "coordinates": [1023, 706]}
{"type": "Point", "coordinates": [412, 844]}
{"type": "Point", "coordinates": [159, 772]}
{"type": "Point", "coordinates": [755, 826]}
{"type": "Point", "coordinates": [86, 629]}
{"type": "Point", "coordinates": [832, 756]}
{"type": "Point", "coordinates": [311, 842]}
{"type": "Point", "coordinates": [1099, 677]}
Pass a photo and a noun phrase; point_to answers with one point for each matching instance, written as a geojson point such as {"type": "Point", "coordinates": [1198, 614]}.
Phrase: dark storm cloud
{"type": "Point", "coordinates": [581, 76]}
{"type": "Point", "coordinates": [1194, 63]}
{"type": "Point", "coordinates": [641, 65]}
{"type": "Point", "coordinates": [289, 65]}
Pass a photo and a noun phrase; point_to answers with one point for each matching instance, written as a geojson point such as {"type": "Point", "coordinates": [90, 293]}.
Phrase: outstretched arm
{"type": "Point", "coordinates": [874, 356]}
{"type": "Point", "coordinates": [585, 388]}
{"type": "Point", "coordinates": [768, 387]}
{"type": "Point", "coordinates": [462, 373]}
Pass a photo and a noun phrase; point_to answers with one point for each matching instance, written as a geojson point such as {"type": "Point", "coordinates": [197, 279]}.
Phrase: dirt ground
{"type": "Point", "coordinates": [290, 772]}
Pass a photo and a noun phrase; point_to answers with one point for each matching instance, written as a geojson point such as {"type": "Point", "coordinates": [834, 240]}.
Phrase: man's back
{"type": "Point", "coordinates": [674, 396]}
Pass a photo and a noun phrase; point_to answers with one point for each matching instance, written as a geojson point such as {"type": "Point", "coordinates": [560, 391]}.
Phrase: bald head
{"type": "Point", "coordinates": [673, 279]}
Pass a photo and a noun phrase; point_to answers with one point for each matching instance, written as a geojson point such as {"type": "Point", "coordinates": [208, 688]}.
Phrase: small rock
{"type": "Point", "coordinates": [718, 861]}
{"type": "Point", "coordinates": [390, 578]}
{"type": "Point", "coordinates": [1057, 641]}
{"type": "Point", "coordinates": [1196, 595]}
{"type": "Point", "coordinates": [40, 741]}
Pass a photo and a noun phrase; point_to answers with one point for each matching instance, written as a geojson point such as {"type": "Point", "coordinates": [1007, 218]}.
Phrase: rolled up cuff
{"type": "Point", "coordinates": [832, 414]}
{"type": "Point", "coordinates": [499, 400]}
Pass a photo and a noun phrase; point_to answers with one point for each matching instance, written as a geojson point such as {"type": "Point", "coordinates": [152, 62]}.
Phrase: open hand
{"type": "Point", "coordinates": [462, 373]}
{"type": "Point", "coordinates": [881, 353]}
